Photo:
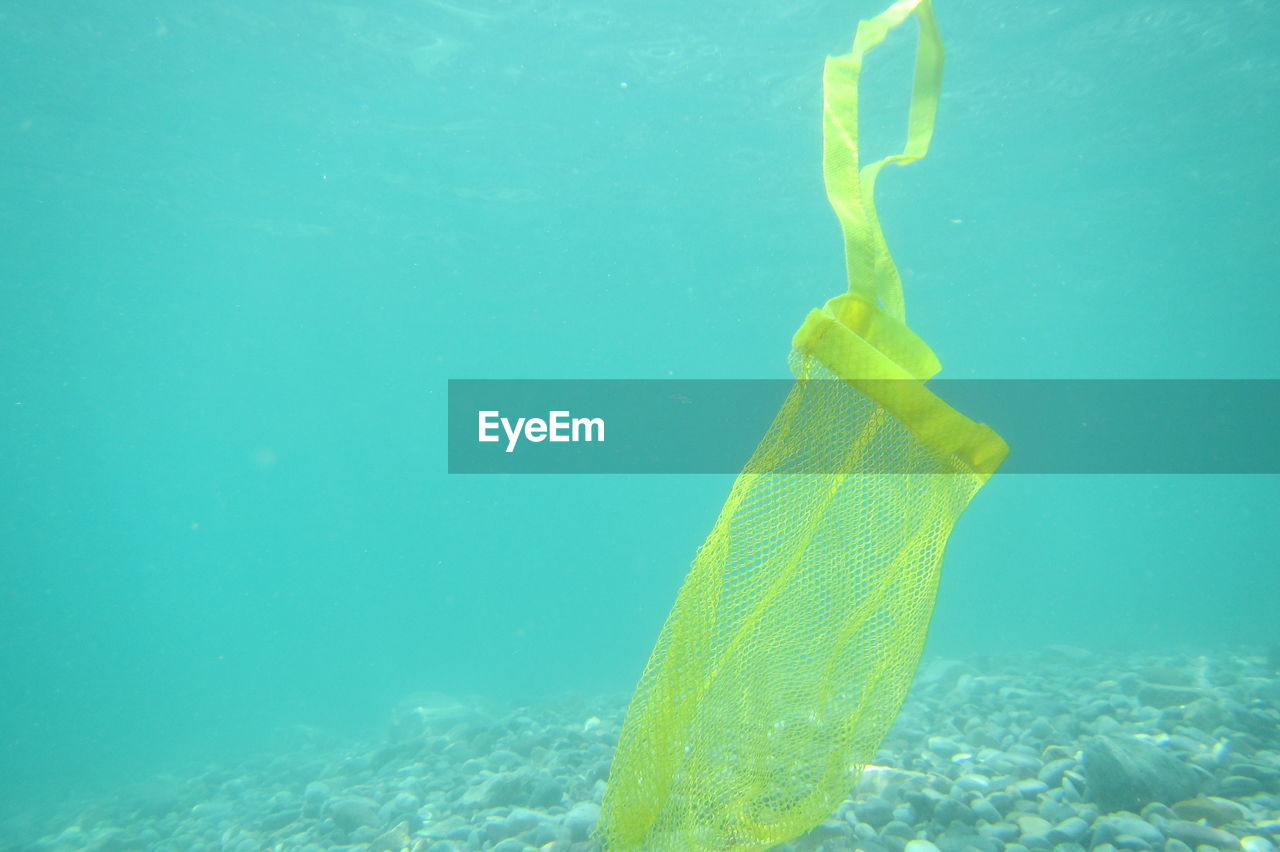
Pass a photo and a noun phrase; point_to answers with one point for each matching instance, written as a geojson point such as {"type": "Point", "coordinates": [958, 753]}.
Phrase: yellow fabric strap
{"type": "Point", "coordinates": [862, 336]}
{"type": "Point", "coordinates": [873, 277]}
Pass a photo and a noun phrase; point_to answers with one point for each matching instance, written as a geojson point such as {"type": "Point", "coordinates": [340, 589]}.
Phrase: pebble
{"type": "Point", "coordinates": [944, 747]}
{"type": "Point", "coordinates": [1002, 831]}
{"type": "Point", "coordinates": [949, 811]}
{"type": "Point", "coordinates": [1028, 788]}
{"type": "Point", "coordinates": [1239, 786]}
{"type": "Point", "coordinates": [1033, 826]}
{"type": "Point", "coordinates": [971, 781]}
{"type": "Point", "coordinates": [981, 760]}
{"type": "Point", "coordinates": [1113, 826]}
{"type": "Point", "coordinates": [1068, 831]}
{"type": "Point", "coordinates": [983, 809]}
{"type": "Point", "coordinates": [1001, 801]}
{"type": "Point", "coordinates": [581, 820]}
{"type": "Point", "coordinates": [1053, 771]}
{"type": "Point", "coordinates": [352, 812]}
{"type": "Point", "coordinates": [1211, 809]}
{"type": "Point", "coordinates": [875, 812]}
{"type": "Point", "coordinates": [1254, 843]}
{"type": "Point", "coordinates": [920, 846]}
{"type": "Point", "coordinates": [1198, 834]}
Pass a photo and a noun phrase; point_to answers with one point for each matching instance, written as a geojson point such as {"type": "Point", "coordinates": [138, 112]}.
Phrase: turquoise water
{"type": "Point", "coordinates": [245, 247]}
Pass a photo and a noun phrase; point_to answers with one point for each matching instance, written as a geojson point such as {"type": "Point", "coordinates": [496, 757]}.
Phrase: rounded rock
{"type": "Point", "coordinates": [944, 747]}
{"type": "Point", "coordinates": [1070, 830]}
{"type": "Point", "coordinates": [1005, 832]}
{"type": "Point", "coordinates": [1027, 788]}
{"type": "Point", "coordinates": [511, 844]}
{"type": "Point", "coordinates": [948, 811]}
{"type": "Point", "coordinates": [971, 781]}
{"type": "Point", "coordinates": [1239, 786]}
{"type": "Point", "coordinates": [352, 812]}
{"type": "Point", "coordinates": [987, 811]}
{"type": "Point", "coordinates": [920, 846]}
{"type": "Point", "coordinates": [874, 811]}
{"type": "Point", "coordinates": [581, 820]}
{"type": "Point", "coordinates": [1210, 809]}
{"type": "Point", "coordinates": [1033, 826]}
{"type": "Point", "coordinates": [1053, 771]}
{"type": "Point", "coordinates": [1197, 834]}
{"type": "Point", "coordinates": [1254, 843]}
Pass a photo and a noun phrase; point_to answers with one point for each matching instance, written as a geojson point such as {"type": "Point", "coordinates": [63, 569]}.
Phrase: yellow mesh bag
{"type": "Point", "coordinates": [795, 637]}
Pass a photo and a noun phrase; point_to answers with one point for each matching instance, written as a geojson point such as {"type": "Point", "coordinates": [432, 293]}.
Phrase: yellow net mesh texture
{"type": "Point", "coordinates": [795, 637]}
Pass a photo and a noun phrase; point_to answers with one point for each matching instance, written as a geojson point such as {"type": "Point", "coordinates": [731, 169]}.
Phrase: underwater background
{"type": "Point", "coordinates": [243, 247]}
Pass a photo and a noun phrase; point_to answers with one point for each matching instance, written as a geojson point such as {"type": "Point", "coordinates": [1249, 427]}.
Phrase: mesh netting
{"type": "Point", "coordinates": [793, 642]}
{"type": "Point", "coordinates": [795, 637]}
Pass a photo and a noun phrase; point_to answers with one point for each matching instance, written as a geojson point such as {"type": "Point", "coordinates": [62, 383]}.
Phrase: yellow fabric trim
{"type": "Point", "coordinates": [851, 187]}
{"type": "Point", "coordinates": [857, 359]}
{"type": "Point", "coordinates": [862, 336]}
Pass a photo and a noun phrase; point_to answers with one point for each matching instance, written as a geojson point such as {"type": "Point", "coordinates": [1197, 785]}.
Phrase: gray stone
{"type": "Point", "coordinates": [500, 789]}
{"type": "Point", "coordinates": [1005, 832]}
{"type": "Point", "coordinates": [894, 829]}
{"type": "Point", "coordinates": [546, 791]}
{"type": "Point", "coordinates": [871, 846]}
{"type": "Point", "coordinates": [1196, 834]}
{"type": "Point", "coordinates": [1054, 810]}
{"type": "Point", "coordinates": [511, 844]}
{"type": "Point", "coordinates": [1210, 809]}
{"type": "Point", "coordinates": [1238, 786]}
{"type": "Point", "coordinates": [1001, 801]}
{"type": "Point", "coordinates": [1124, 773]}
{"type": "Point", "coordinates": [874, 811]}
{"type": "Point", "coordinates": [393, 839]}
{"type": "Point", "coordinates": [920, 846]}
{"type": "Point", "coordinates": [1053, 771]}
{"type": "Point", "coordinates": [971, 781]}
{"type": "Point", "coordinates": [944, 747]}
{"type": "Point", "coordinates": [834, 829]}
{"type": "Point", "coordinates": [581, 820]}
{"type": "Point", "coordinates": [1254, 843]}
{"type": "Point", "coordinates": [1068, 831]}
{"type": "Point", "coordinates": [1204, 713]}
{"type": "Point", "coordinates": [983, 809]}
{"type": "Point", "coordinates": [1033, 826]}
{"type": "Point", "coordinates": [278, 820]}
{"type": "Point", "coordinates": [862, 831]}
{"type": "Point", "coordinates": [451, 827]}
{"type": "Point", "coordinates": [1112, 827]}
{"type": "Point", "coordinates": [352, 812]}
{"type": "Point", "coordinates": [965, 840]}
{"type": "Point", "coordinates": [1040, 729]}
{"type": "Point", "coordinates": [1163, 695]}
{"type": "Point", "coordinates": [443, 846]}
{"type": "Point", "coordinates": [1027, 788]}
{"type": "Point", "coordinates": [948, 811]}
